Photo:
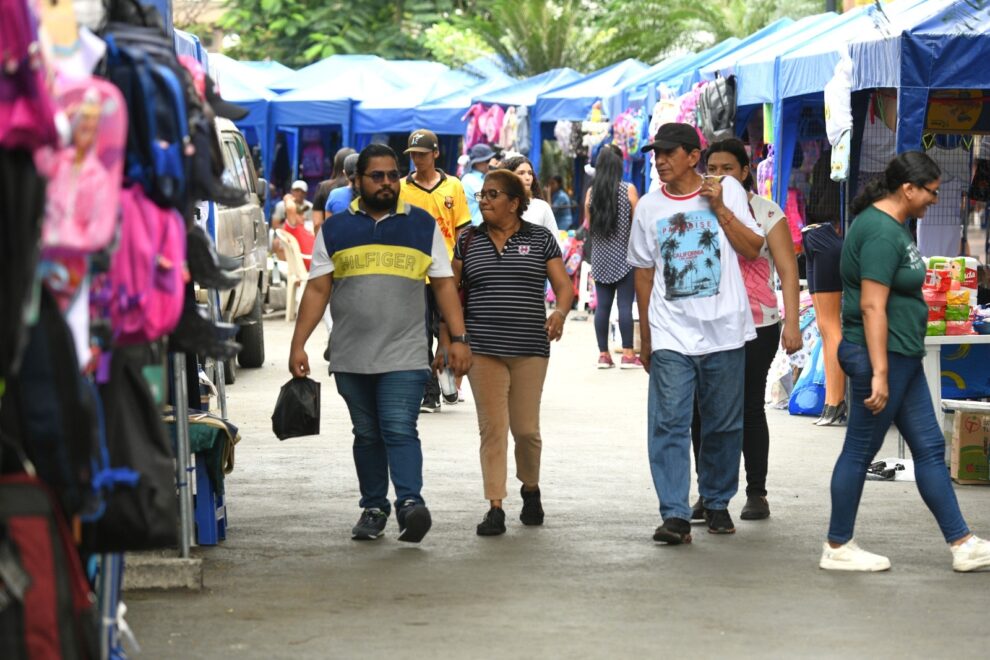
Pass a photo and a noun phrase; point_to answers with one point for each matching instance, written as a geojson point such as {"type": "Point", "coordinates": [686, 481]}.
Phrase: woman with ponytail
{"type": "Point", "coordinates": [884, 317]}
{"type": "Point", "coordinates": [609, 206]}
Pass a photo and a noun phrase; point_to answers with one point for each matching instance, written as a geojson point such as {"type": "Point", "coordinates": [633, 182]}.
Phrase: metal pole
{"type": "Point", "coordinates": [830, 5]}
{"type": "Point", "coordinates": [219, 367]}
{"type": "Point", "coordinates": [183, 470]}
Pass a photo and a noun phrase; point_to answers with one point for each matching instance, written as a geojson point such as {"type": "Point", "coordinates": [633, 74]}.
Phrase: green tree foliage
{"type": "Point", "coordinates": [652, 29]}
{"type": "Point", "coordinates": [299, 32]}
{"type": "Point", "coordinates": [530, 36]}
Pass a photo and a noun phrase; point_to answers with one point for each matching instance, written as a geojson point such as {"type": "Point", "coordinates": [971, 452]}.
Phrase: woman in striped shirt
{"type": "Point", "coordinates": [502, 266]}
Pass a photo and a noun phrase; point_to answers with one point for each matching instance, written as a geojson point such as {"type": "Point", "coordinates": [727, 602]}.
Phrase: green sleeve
{"type": "Point", "coordinates": [879, 259]}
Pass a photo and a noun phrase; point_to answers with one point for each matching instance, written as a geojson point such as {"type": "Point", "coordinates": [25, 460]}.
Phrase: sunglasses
{"type": "Point", "coordinates": [490, 194]}
{"type": "Point", "coordinates": [378, 176]}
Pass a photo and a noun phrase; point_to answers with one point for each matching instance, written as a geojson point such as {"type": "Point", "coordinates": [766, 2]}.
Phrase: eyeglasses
{"type": "Point", "coordinates": [490, 194]}
{"type": "Point", "coordinates": [933, 193]}
{"type": "Point", "coordinates": [378, 176]}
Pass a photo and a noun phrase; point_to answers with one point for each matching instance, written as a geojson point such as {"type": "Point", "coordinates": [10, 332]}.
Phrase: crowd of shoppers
{"type": "Point", "coordinates": [701, 256]}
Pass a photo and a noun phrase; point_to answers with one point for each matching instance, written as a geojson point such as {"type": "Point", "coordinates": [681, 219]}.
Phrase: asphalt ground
{"type": "Point", "coordinates": [290, 583]}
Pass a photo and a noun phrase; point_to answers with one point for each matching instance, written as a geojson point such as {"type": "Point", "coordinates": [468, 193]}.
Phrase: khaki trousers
{"type": "Point", "coordinates": [507, 394]}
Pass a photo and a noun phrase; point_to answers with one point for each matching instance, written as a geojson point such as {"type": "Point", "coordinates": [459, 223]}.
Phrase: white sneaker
{"type": "Point", "coordinates": [850, 557]}
{"type": "Point", "coordinates": [972, 555]}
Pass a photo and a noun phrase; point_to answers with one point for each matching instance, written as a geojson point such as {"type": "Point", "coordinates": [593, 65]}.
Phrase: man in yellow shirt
{"type": "Point", "coordinates": [442, 196]}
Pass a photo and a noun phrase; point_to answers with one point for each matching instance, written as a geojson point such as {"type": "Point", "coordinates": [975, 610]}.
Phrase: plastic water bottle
{"type": "Point", "coordinates": [448, 384]}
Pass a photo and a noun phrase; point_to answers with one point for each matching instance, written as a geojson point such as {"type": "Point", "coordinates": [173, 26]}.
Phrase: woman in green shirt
{"type": "Point", "coordinates": [883, 342]}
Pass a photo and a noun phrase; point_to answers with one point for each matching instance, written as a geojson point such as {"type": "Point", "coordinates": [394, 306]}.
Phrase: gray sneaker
{"type": "Point", "coordinates": [370, 526]}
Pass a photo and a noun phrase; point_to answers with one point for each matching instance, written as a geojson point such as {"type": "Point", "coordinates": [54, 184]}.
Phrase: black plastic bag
{"type": "Point", "coordinates": [297, 411]}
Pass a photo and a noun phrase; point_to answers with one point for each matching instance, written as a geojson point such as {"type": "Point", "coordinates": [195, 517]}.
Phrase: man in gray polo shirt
{"type": "Point", "coordinates": [375, 257]}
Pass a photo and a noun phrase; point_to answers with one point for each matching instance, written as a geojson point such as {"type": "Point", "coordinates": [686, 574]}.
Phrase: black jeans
{"type": "Point", "coordinates": [756, 434]}
{"type": "Point", "coordinates": [605, 294]}
{"type": "Point", "coordinates": [431, 392]}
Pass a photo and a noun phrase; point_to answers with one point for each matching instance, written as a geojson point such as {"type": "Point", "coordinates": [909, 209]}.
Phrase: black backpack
{"type": "Point", "coordinates": [50, 411]}
{"type": "Point", "coordinates": [717, 109]}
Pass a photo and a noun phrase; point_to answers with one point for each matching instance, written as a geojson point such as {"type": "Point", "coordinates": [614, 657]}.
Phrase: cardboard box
{"type": "Point", "coordinates": [968, 462]}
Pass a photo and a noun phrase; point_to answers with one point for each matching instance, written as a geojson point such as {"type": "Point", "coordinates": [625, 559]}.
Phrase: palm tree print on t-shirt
{"type": "Point", "coordinates": [690, 246]}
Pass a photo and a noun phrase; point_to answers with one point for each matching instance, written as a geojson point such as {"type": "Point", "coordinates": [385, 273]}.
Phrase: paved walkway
{"type": "Point", "coordinates": [289, 582]}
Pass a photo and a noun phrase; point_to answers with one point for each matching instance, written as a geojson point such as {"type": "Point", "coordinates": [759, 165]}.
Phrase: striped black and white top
{"type": "Point", "coordinates": [505, 311]}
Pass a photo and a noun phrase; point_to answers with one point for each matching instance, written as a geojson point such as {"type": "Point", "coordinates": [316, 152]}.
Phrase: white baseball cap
{"type": "Point", "coordinates": [300, 185]}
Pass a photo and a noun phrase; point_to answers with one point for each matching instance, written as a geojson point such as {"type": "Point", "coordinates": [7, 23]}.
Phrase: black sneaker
{"type": "Point", "coordinates": [532, 508]}
{"type": "Point", "coordinates": [414, 521]}
{"type": "Point", "coordinates": [673, 531]}
{"type": "Point", "coordinates": [430, 405]}
{"type": "Point", "coordinates": [756, 508]}
{"type": "Point", "coordinates": [719, 521]}
{"type": "Point", "coordinates": [370, 526]}
{"type": "Point", "coordinates": [493, 524]}
{"type": "Point", "coordinates": [698, 510]}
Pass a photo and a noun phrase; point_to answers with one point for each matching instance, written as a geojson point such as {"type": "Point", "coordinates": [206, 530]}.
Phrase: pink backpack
{"type": "Point", "coordinates": [146, 271]}
{"type": "Point", "coordinates": [27, 112]}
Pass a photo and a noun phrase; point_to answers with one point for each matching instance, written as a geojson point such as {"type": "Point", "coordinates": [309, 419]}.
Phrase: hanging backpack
{"type": "Point", "coordinates": [158, 131]}
{"type": "Point", "coordinates": [46, 606]}
{"type": "Point", "coordinates": [717, 109]}
{"type": "Point", "coordinates": [50, 411]}
{"type": "Point", "coordinates": [145, 514]}
{"type": "Point", "coordinates": [146, 278]}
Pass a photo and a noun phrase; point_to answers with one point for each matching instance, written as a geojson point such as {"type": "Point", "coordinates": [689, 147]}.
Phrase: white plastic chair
{"type": "Point", "coordinates": [297, 272]}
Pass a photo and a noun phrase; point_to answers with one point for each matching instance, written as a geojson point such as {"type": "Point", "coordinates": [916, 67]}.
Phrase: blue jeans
{"type": "Point", "coordinates": [384, 409]}
{"type": "Point", "coordinates": [910, 408]}
{"type": "Point", "coordinates": [718, 380]}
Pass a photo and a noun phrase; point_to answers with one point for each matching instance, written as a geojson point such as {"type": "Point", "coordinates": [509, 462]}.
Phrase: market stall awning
{"type": "Point", "coordinates": [525, 92]}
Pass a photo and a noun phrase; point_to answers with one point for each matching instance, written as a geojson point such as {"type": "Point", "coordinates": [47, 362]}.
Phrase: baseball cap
{"type": "Point", "coordinates": [673, 135]}
{"type": "Point", "coordinates": [423, 141]}
{"type": "Point", "coordinates": [221, 107]}
{"type": "Point", "coordinates": [300, 185]}
{"type": "Point", "coordinates": [479, 153]}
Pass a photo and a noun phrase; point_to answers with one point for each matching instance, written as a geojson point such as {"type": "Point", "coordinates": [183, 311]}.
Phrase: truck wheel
{"type": "Point", "coordinates": [229, 372]}
{"type": "Point", "coordinates": [252, 339]}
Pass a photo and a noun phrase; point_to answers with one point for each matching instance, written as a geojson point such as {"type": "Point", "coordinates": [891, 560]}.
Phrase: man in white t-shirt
{"type": "Point", "coordinates": [694, 322]}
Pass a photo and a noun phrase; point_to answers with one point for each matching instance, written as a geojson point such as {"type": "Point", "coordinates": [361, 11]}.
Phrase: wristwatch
{"type": "Point", "coordinates": [461, 339]}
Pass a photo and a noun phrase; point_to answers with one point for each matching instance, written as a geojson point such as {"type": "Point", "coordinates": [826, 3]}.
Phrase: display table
{"type": "Point", "coordinates": [933, 362]}
{"type": "Point", "coordinates": [933, 372]}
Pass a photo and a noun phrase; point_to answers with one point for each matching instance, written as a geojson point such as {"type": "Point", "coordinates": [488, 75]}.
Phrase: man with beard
{"type": "Point", "coordinates": [375, 257]}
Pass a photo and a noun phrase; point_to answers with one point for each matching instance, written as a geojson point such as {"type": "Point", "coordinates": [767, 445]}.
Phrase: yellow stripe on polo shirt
{"type": "Point", "coordinates": [376, 259]}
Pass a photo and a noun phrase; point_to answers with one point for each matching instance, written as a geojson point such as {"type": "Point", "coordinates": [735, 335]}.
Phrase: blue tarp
{"type": "Point", "coordinates": [525, 92]}
{"type": "Point", "coordinates": [189, 44]}
{"type": "Point", "coordinates": [269, 72]}
{"type": "Point", "coordinates": [939, 45]}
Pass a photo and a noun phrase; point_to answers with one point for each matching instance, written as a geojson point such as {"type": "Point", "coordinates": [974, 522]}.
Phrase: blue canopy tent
{"type": "Point", "coordinates": [574, 101]}
{"type": "Point", "coordinates": [941, 45]}
{"type": "Point", "coordinates": [189, 44]}
{"type": "Point", "coordinates": [525, 92]}
{"type": "Point", "coordinates": [445, 115]}
{"type": "Point", "coordinates": [239, 85]}
{"type": "Point", "coordinates": [801, 73]}
{"type": "Point", "coordinates": [396, 113]}
{"type": "Point", "coordinates": [269, 72]}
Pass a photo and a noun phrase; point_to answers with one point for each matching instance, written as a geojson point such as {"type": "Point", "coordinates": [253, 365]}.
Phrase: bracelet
{"type": "Point", "coordinates": [563, 316]}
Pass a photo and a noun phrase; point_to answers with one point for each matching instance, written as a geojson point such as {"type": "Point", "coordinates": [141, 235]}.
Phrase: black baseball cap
{"type": "Point", "coordinates": [673, 135]}
{"type": "Point", "coordinates": [423, 141]}
{"type": "Point", "coordinates": [221, 107]}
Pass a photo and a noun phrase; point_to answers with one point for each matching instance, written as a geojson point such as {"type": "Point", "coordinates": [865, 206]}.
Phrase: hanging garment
{"type": "Point", "coordinates": [838, 117]}
{"type": "Point", "coordinates": [764, 174]}
{"type": "Point", "coordinates": [562, 131]}
{"type": "Point", "coordinates": [473, 134]}
{"type": "Point", "coordinates": [523, 134]}
{"type": "Point", "coordinates": [509, 139]}
{"type": "Point", "coordinates": [490, 124]}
